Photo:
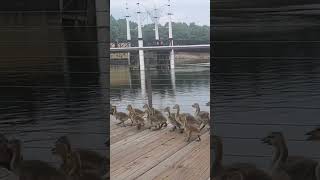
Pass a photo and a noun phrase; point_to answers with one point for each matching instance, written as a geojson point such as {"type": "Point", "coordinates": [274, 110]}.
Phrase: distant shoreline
{"type": "Point", "coordinates": [181, 57]}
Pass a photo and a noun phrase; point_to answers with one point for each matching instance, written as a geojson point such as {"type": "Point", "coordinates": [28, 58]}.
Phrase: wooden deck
{"type": "Point", "coordinates": [147, 155]}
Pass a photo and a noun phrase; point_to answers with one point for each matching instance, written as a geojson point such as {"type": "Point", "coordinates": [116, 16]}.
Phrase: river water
{"type": "Point", "coordinates": [37, 107]}
{"type": "Point", "coordinates": [184, 85]}
{"type": "Point", "coordinates": [266, 76]}
{"type": "Point", "coordinates": [252, 98]}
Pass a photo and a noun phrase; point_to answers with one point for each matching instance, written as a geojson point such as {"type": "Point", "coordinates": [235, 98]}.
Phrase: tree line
{"type": "Point", "coordinates": [183, 33]}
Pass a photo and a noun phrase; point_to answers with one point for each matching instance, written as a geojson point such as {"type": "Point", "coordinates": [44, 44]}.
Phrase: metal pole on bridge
{"type": "Point", "coordinates": [172, 64]}
{"type": "Point", "coordinates": [128, 32]}
{"type": "Point", "coordinates": [156, 26]}
{"type": "Point", "coordinates": [140, 40]}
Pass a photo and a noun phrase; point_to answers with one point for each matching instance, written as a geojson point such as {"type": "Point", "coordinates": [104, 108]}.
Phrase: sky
{"type": "Point", "coordinates": [188, 11]}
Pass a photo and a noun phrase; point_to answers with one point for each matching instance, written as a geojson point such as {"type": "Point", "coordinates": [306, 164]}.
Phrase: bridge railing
{"type": "Point", "coordinates": [161, 48]}
{"type": "Point", "coordinates": [159, 56]}
{"type": "Point", "coordinates": [161, 42]}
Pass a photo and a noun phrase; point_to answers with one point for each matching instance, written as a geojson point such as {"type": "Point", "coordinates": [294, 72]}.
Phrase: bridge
{"type": "Point", "coordinates": [160, 48]}
{"type": "Point", "coordinates": [156, 46]}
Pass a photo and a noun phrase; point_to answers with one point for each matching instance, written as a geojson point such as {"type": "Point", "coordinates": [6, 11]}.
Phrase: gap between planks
{"type": "Point", "coordinates": [191, 162]}
{"type": "Point", "coordinates": [128, 164]}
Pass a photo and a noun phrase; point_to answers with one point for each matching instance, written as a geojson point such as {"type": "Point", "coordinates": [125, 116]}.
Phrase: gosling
{"type": "Point", "coordinates": [91, 161]}
{"type": "Point", "coordinates": [134, 112]}
{"type": "Point", "coordinates": [202, 116]}
{"type": "Point", "coordinates": [121, 116]}
{"type": "Point", "coordinates": [172, 120]}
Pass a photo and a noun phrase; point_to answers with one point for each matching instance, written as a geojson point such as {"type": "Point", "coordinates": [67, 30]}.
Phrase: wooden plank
{"type": "Point", "coordinates": [122, 133]}
{"type": "Point", "coordinates": [134, 142]}
{"type": "Point", "coordinates": [136, 147]}
{"type": "Point", "coordinates": [191, 162]}
{"type": "Point", "coordinates": [149, 156]}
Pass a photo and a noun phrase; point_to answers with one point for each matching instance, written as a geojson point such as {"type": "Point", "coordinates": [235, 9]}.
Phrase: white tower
{"type": "Point", "coordinates": [128, 32]}
{"type": "Point", "coordinates": [156, 25]}
{"type": "Point", "coordinates": [140, 40]}
{"type": "Point", "coordinates": [170, 36]}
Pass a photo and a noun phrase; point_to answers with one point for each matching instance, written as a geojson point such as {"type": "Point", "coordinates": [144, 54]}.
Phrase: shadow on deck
{"type": "Point", "coordinates": [146, 154]}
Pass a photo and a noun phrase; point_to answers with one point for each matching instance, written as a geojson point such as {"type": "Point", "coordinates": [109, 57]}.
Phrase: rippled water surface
{"type": "Point", "coordinates": [185, 85]}
{"type": "Point", "coordinates": [266, 76]}
{"type": "Point", "coordinates": [38, 107]}
{"type": "Point", "coordinates": [252, 98]}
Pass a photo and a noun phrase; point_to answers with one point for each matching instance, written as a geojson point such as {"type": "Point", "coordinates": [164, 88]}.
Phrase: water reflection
{"type": "Point", "coordinates": [173, 79]}
{"type": "Point", "coordinates": [184, 85]}
{"type": "Point", "coordinates": [38, 116]}
{"type": "Point", "coordinates": [143, 83]}
{"type": "Point", "coordinates": [252, 98]}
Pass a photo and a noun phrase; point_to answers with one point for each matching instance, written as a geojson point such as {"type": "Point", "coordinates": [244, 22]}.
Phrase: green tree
{"type": "Point", "coordinates": [182, 32]}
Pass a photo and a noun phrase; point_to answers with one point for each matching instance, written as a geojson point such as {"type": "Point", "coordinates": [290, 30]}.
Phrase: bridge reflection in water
{"type": "Point", "coordinates": [184, 85]}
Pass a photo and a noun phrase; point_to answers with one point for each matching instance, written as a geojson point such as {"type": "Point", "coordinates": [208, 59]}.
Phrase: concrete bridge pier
{"type": "Point", "coordinates": [102, 23]}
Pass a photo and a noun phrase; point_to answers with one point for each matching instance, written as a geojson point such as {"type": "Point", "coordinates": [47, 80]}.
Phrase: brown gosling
{"type": "Point", "coordinates": [314, 135]}
{"type": "Point", "coordinates": [134, 112]}
{"type": "Point", "coordinates": [189, 117]}
{"type": "Point", "coordinates": [121, 116]}
{"type": "Point", "coordinates": [32, 169]}
{"type": "Point", "coordinates": [5, 152]}
{"type": "Point", "coordinates": [235, 171]}
{"type": "Point", "coordinates": [73, 168]}
{"type": "Point", "coordinates": [290, 167]}
{"type": "Point", "coordinates": [5, 174]}
{"type": "Point", "coordinates": [152, 115]}
{"type": "Point", "coordinates": [189, 128]}
{"type": "Point", "coordinates": [139, 121]}
{"type": "Point", "coordinates": [151, 111]}
{"type": "Point", "coordinates": [202, 116]}
{"type": "Point", "coordinates": [172, 119]}
{"type": "Point", "coordinates": [158, 121]}
{"type": "Point", "coordinates": [92, 162]}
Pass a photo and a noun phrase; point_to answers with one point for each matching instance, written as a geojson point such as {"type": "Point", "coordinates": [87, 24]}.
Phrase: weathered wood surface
{"type": "Point", "coordinates": [146, 154]}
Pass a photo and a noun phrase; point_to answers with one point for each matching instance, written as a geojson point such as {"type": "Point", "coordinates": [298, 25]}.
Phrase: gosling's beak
{"type": "Point", "coordinates": [265, 140]}
{"type": "Point", "coordinates": [310, 132]}
{"type": "Point", "coordinates": [311, 135]}
{"type": "Point", "coordinates": [53, 150]}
